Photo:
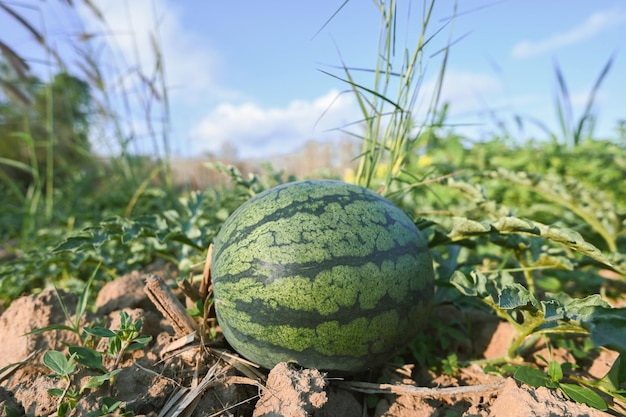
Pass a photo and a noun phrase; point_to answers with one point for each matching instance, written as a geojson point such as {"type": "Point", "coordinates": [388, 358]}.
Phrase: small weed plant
{"type": "Point", "coordinates": [126, 338]}
{"type": "Point", "coordinates": [553, 378]}
{"type": "Point", "coordinates": [123, 340]}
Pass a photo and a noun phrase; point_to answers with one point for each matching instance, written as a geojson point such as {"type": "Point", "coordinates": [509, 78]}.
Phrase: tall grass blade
{"type": "Point", "coordinates": [94, 9]}
{"type": "Point", "coordinates": [39, 37]}
{"type": "Point", "coordinates": [356, 87]}
{"type": "Point", "coordinates": [19, 64]}
{"type": "Point", "coordinates": [574, 131]}
{"type": "Point", "coordinates": [586, 124]}
{"type": "Point", "coordinates": [336, 12]}
{"type": "Point", "coordinates": [563, 105]}
{"type": "Point", "coordinates": [15, 92]}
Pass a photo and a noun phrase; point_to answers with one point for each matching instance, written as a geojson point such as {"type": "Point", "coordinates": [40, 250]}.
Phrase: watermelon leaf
{"type": "Point", "coordinates": [514, 296]}
{"type": "Point", "coordinates": [614, 380]}
{"type": "Point", "coordinates": [606, 326]}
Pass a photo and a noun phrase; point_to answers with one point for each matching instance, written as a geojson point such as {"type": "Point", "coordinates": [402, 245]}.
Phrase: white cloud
{"type": "Point", "coordinates": [594, 24]}
{"type": "Point", "coordinates": [135, 33]}
{"type": "Point", "coordinates": [256, 131]}
{"type": "Point", "coordinates": [465, 91]}
{"type": "Point", "coordinates": [138, 26]}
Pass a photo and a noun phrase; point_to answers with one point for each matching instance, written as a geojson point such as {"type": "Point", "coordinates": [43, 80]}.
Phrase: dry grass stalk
{"type": "Point", "coordinates": [187, 404]}
{"type": "Point", "coordinates": [185, 401]}
{"type": "Point", "coordinates": [9, 369]}
{"type": "Point", "coordinates": [249, 369]}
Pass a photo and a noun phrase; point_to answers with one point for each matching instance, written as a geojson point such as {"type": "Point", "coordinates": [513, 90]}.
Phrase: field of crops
{"type": "Point", "coordinates": [527, 238]}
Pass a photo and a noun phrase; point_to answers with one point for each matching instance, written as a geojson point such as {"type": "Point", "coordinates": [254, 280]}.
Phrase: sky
{"type": "Point", "coordinates": [250, 77]}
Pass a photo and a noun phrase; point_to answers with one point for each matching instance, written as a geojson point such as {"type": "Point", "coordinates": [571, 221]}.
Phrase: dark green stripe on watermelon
{"type": "Point", "coordinates": [324, 273]}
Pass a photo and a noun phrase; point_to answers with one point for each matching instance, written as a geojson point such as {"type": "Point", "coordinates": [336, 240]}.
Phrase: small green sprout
{"type": "Point", "coordinates": [126, 339]}
{"type": "Point", "coordinates": [108, 406]}
{"type": "Point", "coordinates": [63, 367]}
{"type": "Point", "coordinates": [553, 378]}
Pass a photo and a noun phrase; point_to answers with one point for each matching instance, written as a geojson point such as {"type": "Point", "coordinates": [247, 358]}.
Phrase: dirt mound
{"type": "Point", "coordinates": [208, 380]}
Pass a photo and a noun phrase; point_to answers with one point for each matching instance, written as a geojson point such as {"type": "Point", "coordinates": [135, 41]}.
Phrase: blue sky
{"type": "Point", "coordinates": [246, 74]}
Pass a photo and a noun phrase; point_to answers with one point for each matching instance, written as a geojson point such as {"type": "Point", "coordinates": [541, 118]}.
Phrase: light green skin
{"type": "Point", "coordinates": [322, 273]}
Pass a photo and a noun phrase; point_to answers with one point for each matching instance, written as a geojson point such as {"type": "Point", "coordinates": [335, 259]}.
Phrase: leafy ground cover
{"type": "Point", "coordinates": [532, 301]}
{"type": "Point", "coordinates": [529, 247]}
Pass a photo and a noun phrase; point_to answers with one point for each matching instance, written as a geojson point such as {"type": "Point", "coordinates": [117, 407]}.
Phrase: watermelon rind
{"type": "Point", "coordinates": [322, 273]}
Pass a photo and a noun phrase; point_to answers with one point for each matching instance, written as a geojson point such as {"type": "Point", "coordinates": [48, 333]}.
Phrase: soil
{"type": "Point", "coordinates": [174, 378]}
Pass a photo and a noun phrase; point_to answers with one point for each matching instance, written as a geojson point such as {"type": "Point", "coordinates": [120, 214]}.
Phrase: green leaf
{"type": "Point", "coordinates": [462, 227]}
{"type": "Point", "coordinates": [510, 224]}
{"type": "Point", "coordinates": [12, 412]}
{"type": "Point", "coordinates": [478, 284]}
{"type": "Point", "coordinates": [606, 326]}
{"type": "Point", "coordinates": [197, 310]}
{"type": "Point", "coordinates": [99, 332]}
{"type": "Point", "coordinates": [179, 237]}
{"type": "Point", "coordinates": [115, 345]}
{"type": "Point", "coordinates": [584, 395]}
{"type": "Point", "coordinates": [98, 380]}
{"type": "Point", "coordinates": [64, 409]}
{"type": "Point", "coordinates": [553, 262]}
{"type": "Point", "coordinates": [59, 364]}
{"type": "Point", "coordinates": [517, 296]}
{"type": "Point", "coordinates": [17, 164]}
{"type": "Point", "coordinates": [615, 378]}
{"type": "Point", "coordinates": [555, 371]}
{"type": "Point", "coordinates": [450, 365]}
{"type": "Point", "coordinates": [552, 310]}
{"type": "Point", "coordinates": [468, 285]}
{"type": "Point", "coordinates": [531, 376]}
{"type": "Point", "coordinates": [83, 298]}
{"type": "Point", "coordinates": [56, 392]}
{"type": "Point", "coordinates": [51, 327]}
{"type": "Point", "coordinates": [75, 243]}
{"type": "Point", "coordinates": [590, 204]}
{"type": "Point", "coordinates": [576, 314]}
{"type": "Point", "coordinates": [110, 404]}
{"type": "Point", "coordinates": [88, 357]}
{"type": "Point", "coordinates": [510, 369]}
{"type": "Point", "coordinates": [124, 320]}
{"type": "Point", "coordinates": [139, 343]}
{"type": "Point", "coordinates": [137, 325]}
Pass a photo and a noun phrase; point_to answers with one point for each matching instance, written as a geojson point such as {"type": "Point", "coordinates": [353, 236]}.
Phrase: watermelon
{"type": "Point", "coordinates": [322, 273]}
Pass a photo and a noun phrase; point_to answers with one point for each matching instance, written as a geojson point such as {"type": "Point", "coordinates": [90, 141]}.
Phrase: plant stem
{"type": "Point", "coordinates": [530, 324]}
{"type": "Point", "coordinates": [67, 387]}
{"type": "Point", "coordinates": [49, 183]}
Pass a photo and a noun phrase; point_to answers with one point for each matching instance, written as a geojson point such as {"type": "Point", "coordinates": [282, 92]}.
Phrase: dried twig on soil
{"type": "Point", "coordinates": [9, 369]}
{"type": "Point", "coordinates": [156, 374]}
{"type": "Point", "coordinates": [403, 389]}
{"type": "Point", "coordinates": [171, 308]}
{"type": "Point", "coordinates": [249, 369]}
{"type": "Point", "coordinates": [179, 343]}
{"type": "Point", "coordinates": [185, 400]}
{"type": "Point", "coordinates": [186, 404]}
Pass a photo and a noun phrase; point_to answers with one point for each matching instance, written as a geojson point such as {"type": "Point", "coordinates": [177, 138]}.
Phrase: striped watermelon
{"type": "Point", "coordinates": [322, 273]}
